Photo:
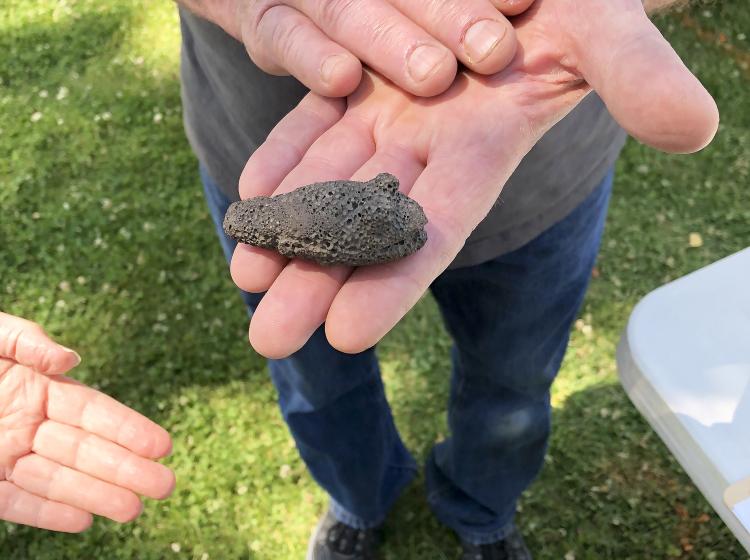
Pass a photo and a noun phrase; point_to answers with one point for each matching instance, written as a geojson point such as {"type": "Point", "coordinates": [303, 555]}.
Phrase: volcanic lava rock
{"type": "Point", "coordinates": [334, 222]}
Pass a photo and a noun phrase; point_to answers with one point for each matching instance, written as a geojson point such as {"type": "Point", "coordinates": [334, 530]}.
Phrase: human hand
{"type": "Point", "coordinates": [66, 450]}
{"type": "Point", "coordinates": [414, 43]}
{"type": "Point", "coordinates": [453, 153]}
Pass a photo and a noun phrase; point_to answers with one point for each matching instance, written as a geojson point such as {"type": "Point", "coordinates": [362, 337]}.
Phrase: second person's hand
{"type": "Point", "coordinates": [414, 43]}
{"type": "Point", "coordinates": [66, 450]}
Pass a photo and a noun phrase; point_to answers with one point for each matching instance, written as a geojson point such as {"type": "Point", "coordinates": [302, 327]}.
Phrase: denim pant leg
{"type": "Point", "coordinates": [335, 407]}
{"type": "Point", "coordinates": [510, 320]}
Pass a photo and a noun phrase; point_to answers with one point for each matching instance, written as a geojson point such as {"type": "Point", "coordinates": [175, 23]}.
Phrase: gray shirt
{"type": "Point", "coordinates": [230, 106]}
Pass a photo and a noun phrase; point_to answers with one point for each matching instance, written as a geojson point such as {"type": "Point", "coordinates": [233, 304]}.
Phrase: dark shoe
{"type": "Point", "coordinates": [334, 540]}
{"type": "Point", "coordinates": [511, 547]}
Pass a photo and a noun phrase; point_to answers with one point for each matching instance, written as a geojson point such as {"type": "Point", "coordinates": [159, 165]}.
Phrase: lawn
{"type": "Point", "coordinates": [105, 240]}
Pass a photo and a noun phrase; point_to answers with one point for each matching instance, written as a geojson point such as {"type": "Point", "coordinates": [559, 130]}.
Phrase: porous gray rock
{"type": "Point", "coordinates": [333, 222]}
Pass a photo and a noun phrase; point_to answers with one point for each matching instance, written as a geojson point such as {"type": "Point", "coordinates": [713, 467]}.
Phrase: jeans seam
{"type": "Point", "coordinates": [444, 488]}
{"type": "Point", "coordinates": [479, 539]}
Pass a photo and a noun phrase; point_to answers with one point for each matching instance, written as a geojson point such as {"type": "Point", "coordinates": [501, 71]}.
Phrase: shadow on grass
{"type": "Point", "coordinates": [590, 502]}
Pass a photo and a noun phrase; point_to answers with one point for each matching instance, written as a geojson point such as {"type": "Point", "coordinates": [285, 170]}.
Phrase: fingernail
{"type": "Point", "coordinates": [78, 357]}
{"type": "Point", "coordinates": [327, 69]}
{"type": "Point", "coordinates": [425, 60]}
{"type": "Point", "coordinates": [482, 38]}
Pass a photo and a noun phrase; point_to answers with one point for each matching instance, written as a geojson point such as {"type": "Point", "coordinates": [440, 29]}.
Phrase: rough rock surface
{"type": "Point", "coordinates": [334, 222]}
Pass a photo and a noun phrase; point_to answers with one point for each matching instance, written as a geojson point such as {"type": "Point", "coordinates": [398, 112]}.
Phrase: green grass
{"type": "Point", "coordinates": [93, 160]}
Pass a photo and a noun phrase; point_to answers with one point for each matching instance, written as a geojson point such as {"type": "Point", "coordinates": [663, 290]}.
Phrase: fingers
{"type": "Point", "coordinates": [285, 41]}
{"type": "Point", "coordinates": [19, 506]}
{"type": "Point", "coordinates": [645, 85]}
{"type": "Point", "coordinates": [90, 454]}
{"type": "Point", "coordinates": [287, 144]}
{"type": "Point", "coordinates": [474, 30]}
{"type": "Point", "coordinates": [94, 412]}
{"type": "Point", "coordinates": [335, 155]}
{"type": "Point", "coordinates": [52, 481]}
{"type": "Point", "coordinates": [253, 269]}
{"type": "Point", "coordinates": [27, 344]}
{"type": "Point", "coordinates": [409, 42]}
{"type": "Point", "coordinates": [298, 301]}
{"type": "Point", "coordinates": [378, 34]}
{"type": "Point", "coordinates": [294, 306]}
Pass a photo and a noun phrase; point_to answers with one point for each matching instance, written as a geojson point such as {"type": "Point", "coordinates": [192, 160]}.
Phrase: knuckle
{"type": "Point", "coordinates": [7, 470]}
{"type": "Point", "coordinates": [12, 330]}
{"type": "Point", "coordinates": [9, 341]}
{"type": "Point", "coordinates": [334, 13]}
{"type": "Point", "coordinates": [259, 38]}
{"type": "Point", "coordinates": [390, 30]}
{"type": "Point", "coordinates": [386, 30]}
{"type": "Point", "coordinates": [276, 44]}
{"type": "Point", "coordinates": [448, 15]}
{"type": "Point", "coordinates": [254, 12]}
{"type": "Point", "coordinates": [284, 37]}
{"type": "Point", "coordinates": [44, 361]}
{"type": "Point", "coordinates": [286, 142]}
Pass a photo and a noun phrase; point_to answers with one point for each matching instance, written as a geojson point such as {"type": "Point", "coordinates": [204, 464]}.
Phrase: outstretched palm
{"type": "Point", "coordinates": [453, 153]}
{"type": "Point", "coordinates": [66, 450]}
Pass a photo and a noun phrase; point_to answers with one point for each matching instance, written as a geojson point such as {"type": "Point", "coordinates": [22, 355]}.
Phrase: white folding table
{"type": "Point", "coordinates": [684, 361]}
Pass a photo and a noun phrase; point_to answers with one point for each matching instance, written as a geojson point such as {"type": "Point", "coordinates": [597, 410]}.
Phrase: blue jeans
{"type": "Point", "coordinates": [510, 319]}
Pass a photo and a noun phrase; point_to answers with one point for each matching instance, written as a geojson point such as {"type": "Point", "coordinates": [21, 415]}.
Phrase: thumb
{"type": "Point", "coordinates": [642, 80]}
{"type": "Point", "coordinates": [26, 343]}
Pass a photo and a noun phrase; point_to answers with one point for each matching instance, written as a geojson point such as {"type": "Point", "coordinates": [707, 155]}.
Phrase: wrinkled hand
{"type": "Point", "coordinates": [414, 43]}
{"type": "Point", "coordinates": [452, 154]}
{"type": "Point", "coordinates": [66, 450]}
